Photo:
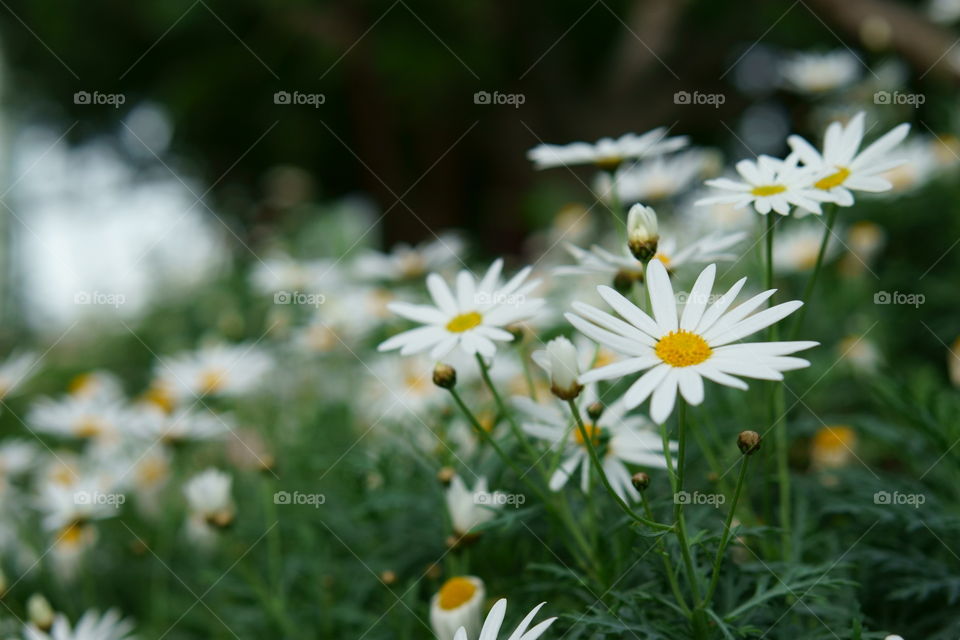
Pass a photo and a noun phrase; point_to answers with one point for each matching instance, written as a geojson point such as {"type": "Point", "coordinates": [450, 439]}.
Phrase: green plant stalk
{"type": "Point", "coordinates": [527, 373]}
{"type": "Point", "coordinates": [725, 536]}
{"type": "Point", "coordinates": [598, 465]}
{"type": "Point", "coordinates": [517, 431]}
{"type": "Point", "coordinates": [832, 210]}
{"type": "Point", "coordinates": [616, 207]}
{"type": "Point", "coordinates": [667, 564]}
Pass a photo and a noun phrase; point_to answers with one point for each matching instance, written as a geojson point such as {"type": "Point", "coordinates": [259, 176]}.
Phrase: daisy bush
{"type": "Point", "coordinates": [698, 403]}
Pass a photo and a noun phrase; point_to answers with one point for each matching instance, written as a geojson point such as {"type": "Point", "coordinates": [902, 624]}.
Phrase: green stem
{"type": "Point", "coordinates": [667, 564]}
{"type": "Point", "coordinates": [598, 465]}
{"type": "Point", "coordinates": [681, 528]}
{"type": "Point", "coordinates": [517, 431]}
{"type": "Point", "coordinates": [725, 536]}
{"type": "Point", "coordinates": [832, 210]}
{"type": "Point", "coordinates": [616, 207]}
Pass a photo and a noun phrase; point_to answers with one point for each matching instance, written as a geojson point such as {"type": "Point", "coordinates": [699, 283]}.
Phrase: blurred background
{"type": "Point", "coordinates": [147, 143]}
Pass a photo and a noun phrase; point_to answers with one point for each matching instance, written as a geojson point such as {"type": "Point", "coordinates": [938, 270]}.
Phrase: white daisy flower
{"type": "Point", "coordinates": [820, 72]}
{"type": "Point", "coordinates": [208, 497]}
{"type": "Point", "coordinates": [85, 417]}
{"type": "Point", "coordinates": [98, 384]}
{"type": "Point", "coordinates": [472, 320]}
{"type": "Point", "coordinates": [217, 370]}
{"type": "Point", "coordinates": [842, 166]}
{"type": "Point", "coordinates": [798, 245]}
{"type": "Point", "coordinates": [680, 350]}
{"type": "Point", "coordinates": [90, 626]}
{"type": "Point", "coordinates": [404, 262]}
{"type": "Point", "coordinates": [562, 363]}
{"type": "Point", "coordinates": [470, 508]}
{"type": "Point", "coordinates": [606, 153]}
{"type": "Point", "coordinates": [619, 439]}
{"type": "Point", "coordinates": [770, 184]}
{"type": "Point", "coordinates": [491, 626]}
{"type": "Point", "coordinates": [281, 273]}
{"type": "Point", "coordinates": [659, 178]}
{"type": "Point", "coordinates": [182, 425]}
{"type": "Point", "coordinates": [16, 457]}
{"type": "Point", "coordinates": [14, 372]}
{"type": "Point", "coordinates": [671, 252]}
{"type": "Point", "coordinates": [457, 607]}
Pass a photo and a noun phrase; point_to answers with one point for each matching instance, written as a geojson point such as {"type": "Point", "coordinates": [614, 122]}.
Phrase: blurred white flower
{"type": "Point", "coordinates": [93, 385]}
{"type": "Point", "coordinates": [820, 72]}
{"type": "Point", "coordinates": [404, 262]}
{"type": "Point", "coordinates": [90, 626]}
{"type": "Point", "coordinates": [770, 184]}
{"type": "Point", "coordinates": [153, 424]}
{"type": "Point", "coordinates": [14, 372]}
{"type": "Point", "coordinates": [562, 363]}
{"type": "Point", "coordinates": [944, 12]}
{"type": "Point", "coordinates": [217, 370]}
{"type": "Point", "coordinates": [469, 508]}
{"type": "Point", "coordinates": [85, 417]}
{"type": "Point", "coordinates": [681, 350]}
{"type": "Point", "coordinates": [606, 153]}
{"type": "Point", "coordinates": [842, 166]}
{"type": "Point", "coordinates": [473, 320]}
{"type": "Point", "coordinates": [619, 439]}
{"type": "Point", "coordinates": [457, 607]}
{"type": "Point", "coordinates": [798, 245]}
{"type": "Point", "coordinates": [659, 178]}
{"type": "Point", "coordinates": [494, 620]}
{"type": "Point", "coordinates": [208, 497]}
{"type": "Point", "coordinates": [283, 274]}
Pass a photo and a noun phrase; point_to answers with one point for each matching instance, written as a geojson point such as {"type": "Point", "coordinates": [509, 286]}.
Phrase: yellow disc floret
{"type": "Point", "coordinates": [593, 432]}
{"type": "Point", "coordinates": [456, 592]}
{"type": "Point", "coordinates": [682, 348]}
{"type": "Point", "coordinates": [833, 180]}
{"type": "Point", "coordinates": [464, 322]}
{"type": "Point", "coordinates": [768, 190]}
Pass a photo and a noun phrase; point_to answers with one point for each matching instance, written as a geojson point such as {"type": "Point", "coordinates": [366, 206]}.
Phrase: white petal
{"type": "Point", "coordinates": [698, 298]}
{"type": "Point", "coordinates": [418, 312]}
{"type": "Point", "coordinates": [612, 340]}
{"type": "Point", "coordinates": [441, 294]}
{"type": "Point", "coordinates": [756, 322]}
{"type": "Point", "coordinates": [642, 388]}
{"type": "Point", "coordinates": [629, 311]}
{"type": "Point", "coordinates": [491, 627]}
{"type": "Point", "coordinates": [662, 301]}
{"type": "Point", "coordinates": [664, 397]}
{"type": "Point", "coordinates": [691, 385]}
{"type": "Point", "coordinates": [619, 369]}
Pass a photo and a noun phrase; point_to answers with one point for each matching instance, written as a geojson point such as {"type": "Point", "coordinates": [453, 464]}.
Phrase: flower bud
{"type": "Point", "coordinates": [595, 410]}
{"type": "Point", "coordinates": [40, 612]}
{"type": "Point", "coordinates": [749, 442]}
{"type": "Point", "coordinates": [561, 361]}
{"type": "Point", "coordinates": [445, 475]}
{"type": "Point", "coordinates": [444, 376]}
{"type": "Point", "coordinates": [642, 235]}
{"type": "Point", "coordinates": [640, 481]}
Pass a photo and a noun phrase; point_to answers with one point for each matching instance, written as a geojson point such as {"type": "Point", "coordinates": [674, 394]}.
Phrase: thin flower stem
{"type": "Point", "coordinates": [616, 207]}
{"type": "Point", "coordinates": [667, 564]}
{"type": "Point", "coordinates": [832, 210]}
{"type": "Point", "coordinates": [517, 431]}
{"type": "Point", "coordinates": [527, 373]}
{"type": "Point", "coordinates": [598, 465]}
{"type": "Point", "coordinates": [725, 536]}
{"type": "Point", "coordinates": [681, 526]}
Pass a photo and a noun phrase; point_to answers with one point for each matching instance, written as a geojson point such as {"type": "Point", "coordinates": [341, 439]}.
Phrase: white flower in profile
{"type": "Point", "coordinates": [208, 497]}
{"type": "Point", "coordinates": [798, 245]}
{"type": "Point", "coordinates": [91, 626]}
{"type": "Point", "coordinates": [562, 363]}
{"type": "Point", "coordinates": [96, 385]}
{"type": "Point", "coordinates": [215, 370]}
{"type": "Point", "coordinates": [457, 607]}
{"type": "Point", "coordinates": [606, 153]}
{"type": "Point", "coordinates": [820, 72]}
{"type": "Point", "coordinates": [619, 438]}
{"type": "Point", "coordinates": [83, 417]}
{"type": "Point", "coordinates": [281, 273]}
{"type": "Point", "coordinates": [842, 166]}
{"type": "Point", "coordinates": [405, 262]}
{"type": "Point", "coordinates": [473, 319]}
{"type": "Point", "coordinates": [491, 626]}
{"type": "Point", "coordinates": [470, 508]}
{"type": "Point", "coordinates": [16, 457]}
{"type": "Point", "coordinates": [770, 184]}
{"type": "Point", "coordinates": [659, 178]}
{"type": "Point", "coordinates": [14, 371]}
{"type": "Point", "coordinates": [673, 253]}
{"type": "Point", "coordinates": [181, 425]}
{"type": "Point", "coordinates": [678, 351]}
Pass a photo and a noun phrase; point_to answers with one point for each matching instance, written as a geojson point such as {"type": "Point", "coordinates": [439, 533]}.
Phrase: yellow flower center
{"type": "Point", "coordinates": [609, 163]}
{"type": "Point", "coordinates": [464, 322]}
{"type": "Point", "coordinates": [768, 190]}
{"type": "Point", "coordinates": [160, 397]}
{"type": "Point", "coordinates": [81, 384]}
{"type": "Point", "coordinates": [72, 535]}
{"type": "Point", "coordinates": [833, 439]}
{"type": "Point", "coordinates": [682, 348]}
{"type": "Point", "coordinates": [593, 432]}
{"type": "Point", "coordinates": [456, 592]}
{"type": "Point", "coordinates": [833, 180]}
{"type": "Point", "coordinates": [665, 259]}
{"type": "Point", "coordinates": [212, 381]}
{"type": "Point", "coordinates": [88, 427]}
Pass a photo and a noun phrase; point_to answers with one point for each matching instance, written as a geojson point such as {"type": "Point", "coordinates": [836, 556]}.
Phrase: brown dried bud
{"type": "Point", "coordinates": [640, 481]}
{"type": "Point", "coordinates": [444, 376]}
{"type": "Point", "coordinates": [445, 475]}
{"type": "Point", "coordinates": [749, 442]}
{"type": "Point", "coordinates": [595, 410]}
{"type": "Point", "coordinates": [388, 577]}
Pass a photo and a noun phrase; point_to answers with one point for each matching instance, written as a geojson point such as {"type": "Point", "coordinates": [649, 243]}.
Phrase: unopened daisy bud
{"type": "Point", "coordinates": [595, 410]}
{"type": "Point", "coordinates": [642, 235]}
{"type": "Point", "coordinates": [640, 481]}
{"type": "Point", "coordinates": [40, 612]}
{"type": "Point", "coordinates": [444, 376]}
{"type": "Point", "coordinates": [561, 361]}
{"type": "Point", "coordinates": [388, 577]}
{"type": "Point", "coordinates": [445, 475]}
{"type": "Point", "coordinates": [749, 442]}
